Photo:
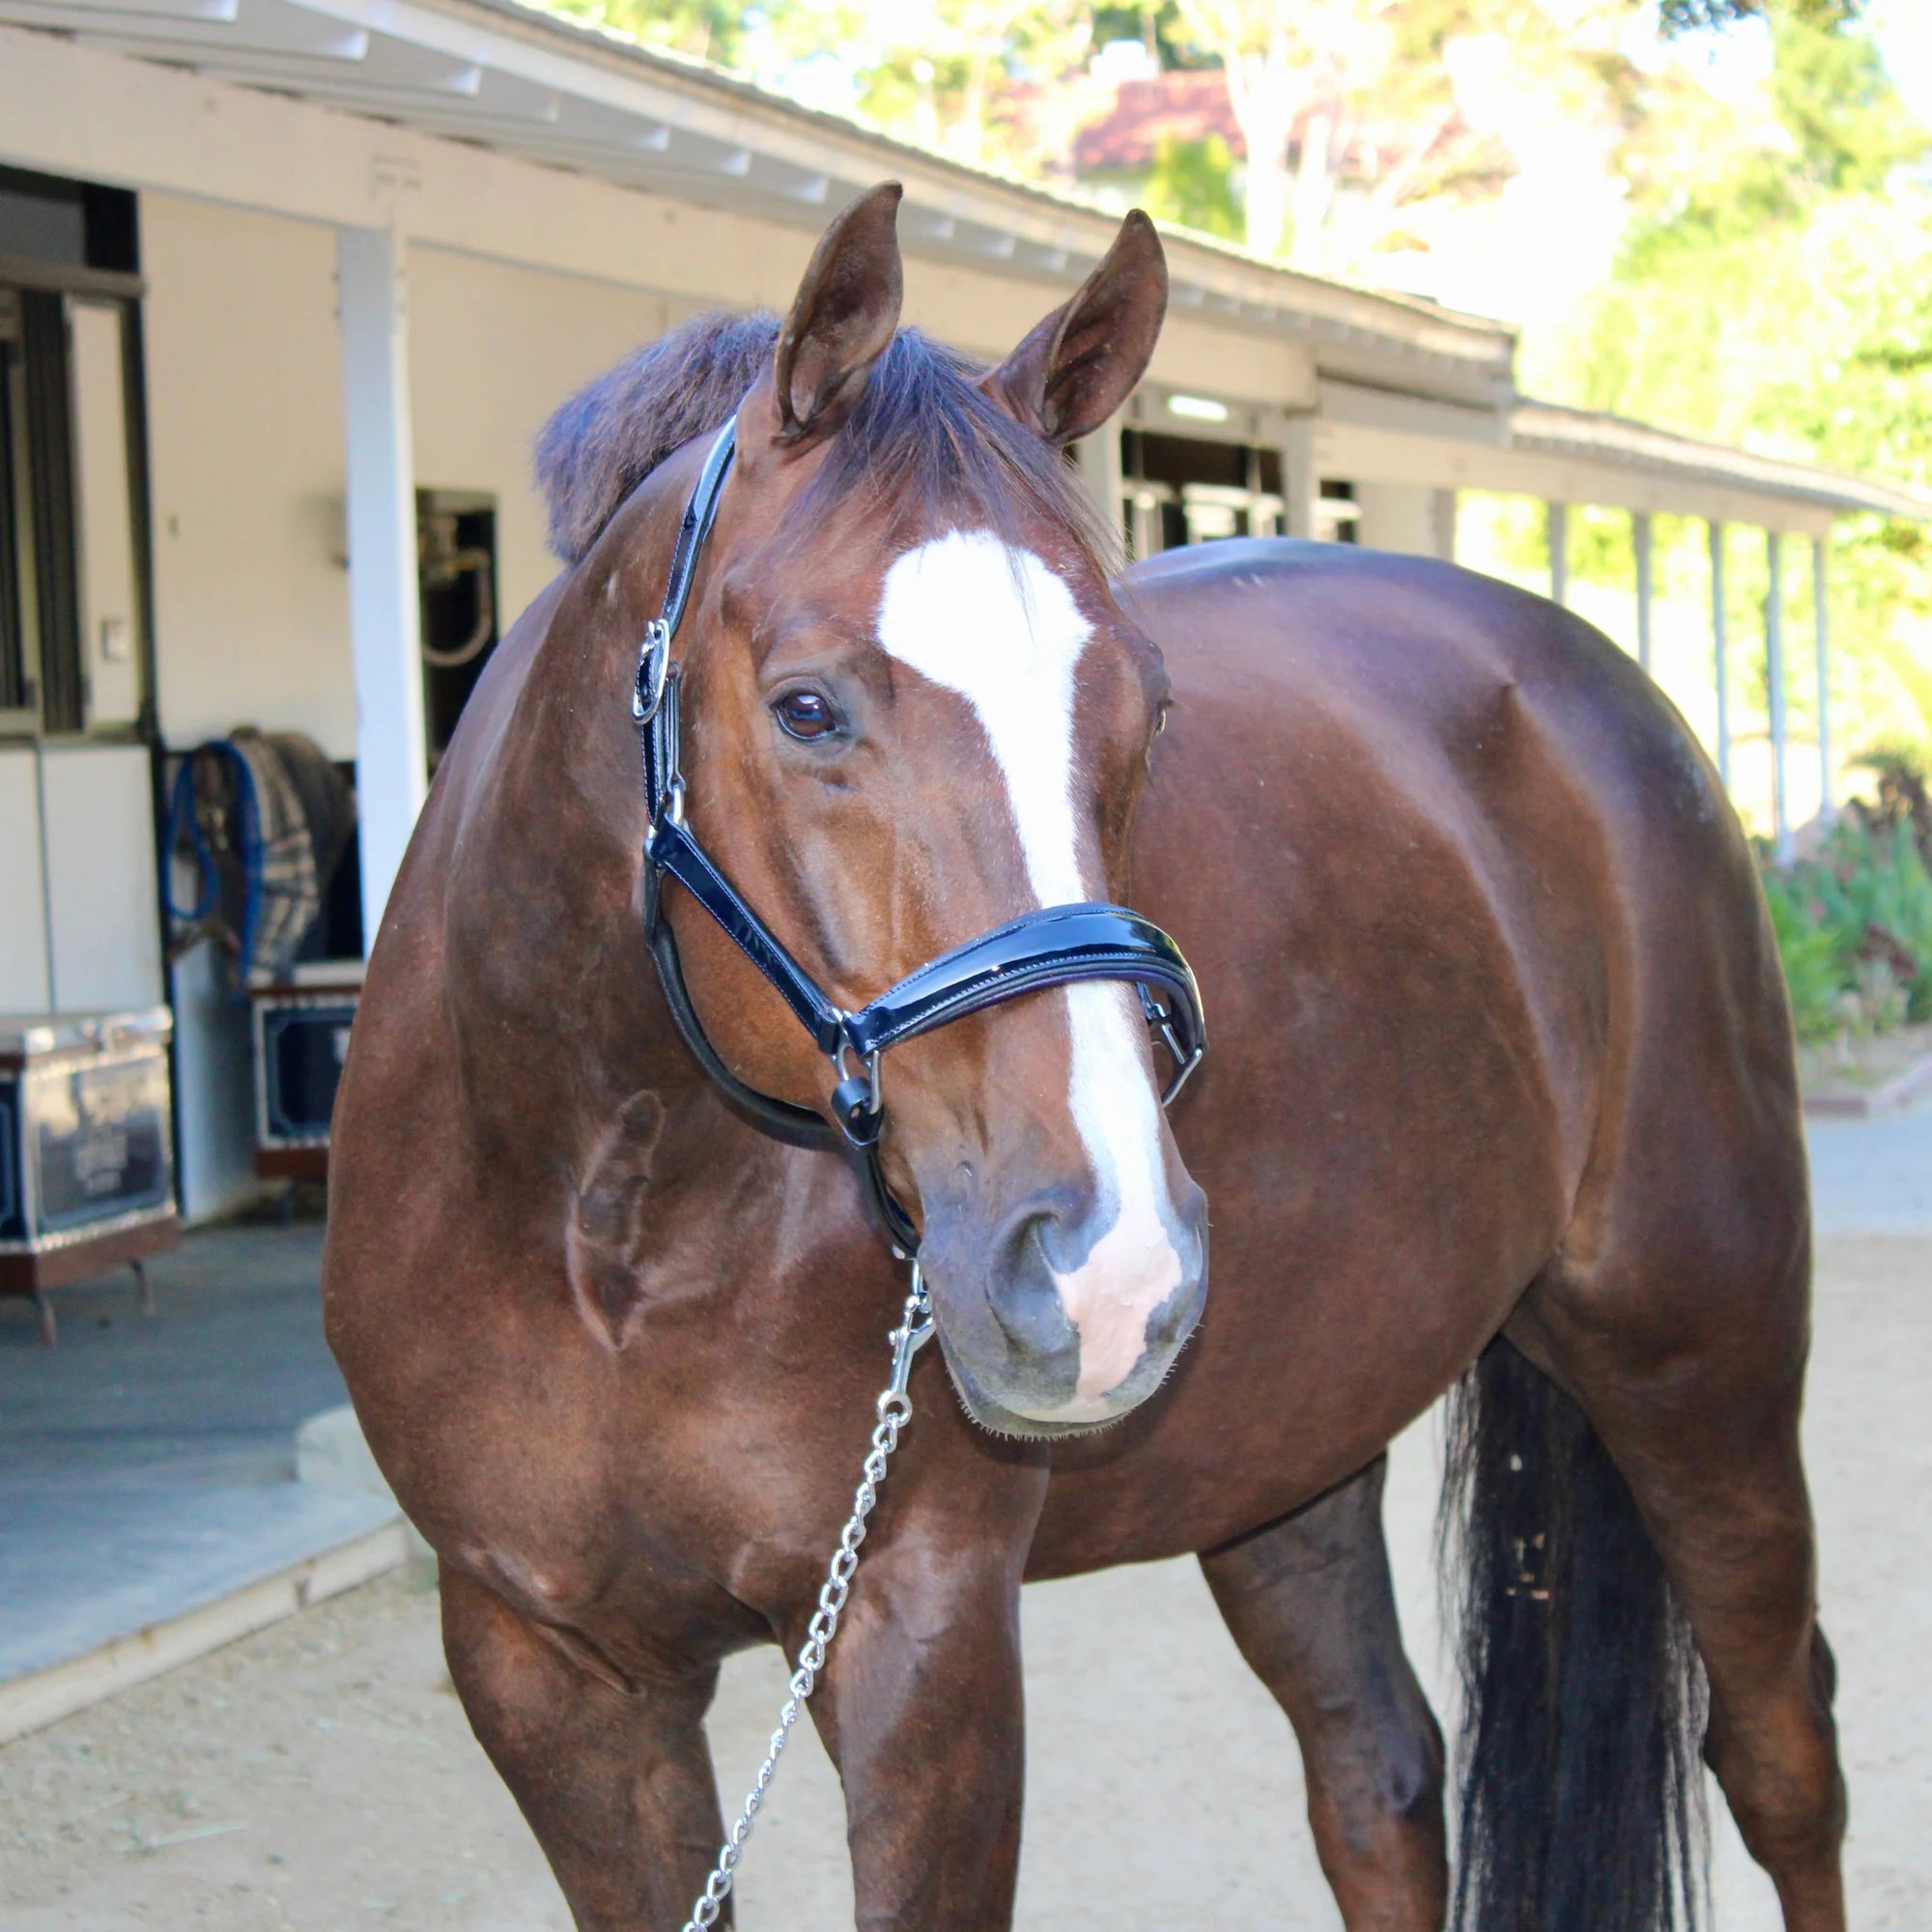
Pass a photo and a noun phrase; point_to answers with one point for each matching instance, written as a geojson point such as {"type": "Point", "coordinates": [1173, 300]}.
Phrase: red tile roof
{"type": "Point", "coordinates": [1188, 105]}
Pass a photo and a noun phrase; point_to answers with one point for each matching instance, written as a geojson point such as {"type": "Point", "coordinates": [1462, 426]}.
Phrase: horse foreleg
{"type": "Point", "coordinates": [1308, 1601]}
{"type": "Point", "coordinates": [922, 1710]}
{"type": "Point", "coordinates": [615, 1782]}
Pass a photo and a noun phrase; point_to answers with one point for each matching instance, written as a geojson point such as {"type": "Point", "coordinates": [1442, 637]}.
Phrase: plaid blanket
{"type": "Point", "coordinates": [260, 821]}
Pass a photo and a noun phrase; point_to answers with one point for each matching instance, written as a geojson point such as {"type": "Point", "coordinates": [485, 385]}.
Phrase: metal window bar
{"type": "Point", "coordinates": [50, 480]}
{"type": "Point", "coordinates": [17, 667]}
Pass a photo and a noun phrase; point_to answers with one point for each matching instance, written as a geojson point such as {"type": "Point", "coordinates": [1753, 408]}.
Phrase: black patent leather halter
{"type": "Point", "coordinates": [1053, 947]}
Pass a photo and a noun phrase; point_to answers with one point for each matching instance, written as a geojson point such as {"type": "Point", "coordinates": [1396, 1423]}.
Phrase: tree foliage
{"type": "Point", "coordinates": [1773, 289]}
{"type": "Point", "coordinates": [945, 70]}
{"type": "Point", "coordinates": [1348, 114]}
{"type": "Point", "coordinates": [1193, 185]}
{"type": "Point", "coordinates": [1677, 17]}
{"type": "Point", "coordinates": [714, 30]}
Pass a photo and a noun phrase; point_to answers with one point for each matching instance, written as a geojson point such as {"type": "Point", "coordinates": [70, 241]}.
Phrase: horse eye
{"type": "Point", "coordinates": [805, 715]}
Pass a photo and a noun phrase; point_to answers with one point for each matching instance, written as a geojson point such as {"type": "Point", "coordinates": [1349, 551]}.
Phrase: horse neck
{"type": "Point", "coordinates": [542, 915]}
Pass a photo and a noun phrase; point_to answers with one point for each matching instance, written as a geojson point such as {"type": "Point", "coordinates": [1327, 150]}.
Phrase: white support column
{"type": "Point", "coordinates": [1556, 523]}
{"type": "Point", "coordinates": [1099, 457]}
{"type": "Point", "coordinates": [1720, 653]}
{"type": "Point", "coordinates": [1774, 678]}
{"type": "Point", "coordinates": [1442, 511]}
{"type": "Point", "coordinates": [1640, 543]}
{"type": "Point", "coordinates": [384, 618]}
{"type": "Point", "coordinates": [1821, 621]}
{"type": "Point", "coordinates": [1299, 484]}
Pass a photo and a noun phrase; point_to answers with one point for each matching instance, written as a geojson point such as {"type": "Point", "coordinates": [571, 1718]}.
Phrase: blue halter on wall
{"type": "Point", "coordinates": [1053, 947]}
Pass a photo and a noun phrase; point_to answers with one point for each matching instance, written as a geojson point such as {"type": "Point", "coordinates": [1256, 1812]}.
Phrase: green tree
{"type": "Point", "coordinates": [1365, 121]}
{"type": "Point", "coordinates": [1775, 289]}
{"type": "Point", "coordinates": [714, 30]}
{"type": "Point", "coordinates": [945, 73]}
{"type": "Point", "coordinates": [1193, 185]}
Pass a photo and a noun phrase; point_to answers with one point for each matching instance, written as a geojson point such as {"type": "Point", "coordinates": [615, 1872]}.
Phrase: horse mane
{"type": "Point", "coordinates": [921, 430]}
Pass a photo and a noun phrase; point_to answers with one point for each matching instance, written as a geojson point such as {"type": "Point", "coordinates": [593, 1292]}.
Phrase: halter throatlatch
{"type": "Point", "coordinates": [1053, 947]}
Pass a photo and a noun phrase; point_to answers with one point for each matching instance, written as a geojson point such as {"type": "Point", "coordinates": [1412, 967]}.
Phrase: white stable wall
{"type": "Point", "coordinates": [244, 399]}
{"type": "Point", "coordinates": [492, 349]}
{"type": "Point", "coordinates": [1398, 517]}
{"type": "Point", "coordinates": [245, 412]}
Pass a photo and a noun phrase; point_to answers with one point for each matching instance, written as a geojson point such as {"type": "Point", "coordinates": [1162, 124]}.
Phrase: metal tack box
{"type": "Point", "coordinates": [301, 1037]}
{"type": "Point", "coordinates": [87, 1165]}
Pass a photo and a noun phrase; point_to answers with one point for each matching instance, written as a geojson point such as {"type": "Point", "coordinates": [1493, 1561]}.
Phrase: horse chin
{"type": "Point", "coordinates": [996, 1419]}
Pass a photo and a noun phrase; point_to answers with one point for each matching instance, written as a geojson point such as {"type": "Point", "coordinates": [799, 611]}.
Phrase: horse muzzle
{"type": "Point", "coordinates": [1069, 1314]}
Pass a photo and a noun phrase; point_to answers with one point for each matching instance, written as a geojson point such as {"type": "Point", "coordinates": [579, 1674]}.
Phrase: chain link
{"type": "Point", "coordinates": [894, 1410]}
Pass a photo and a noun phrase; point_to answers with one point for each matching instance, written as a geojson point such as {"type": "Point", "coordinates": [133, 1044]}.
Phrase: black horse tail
{"type": "Point", "coordinates": [1581, 1783]}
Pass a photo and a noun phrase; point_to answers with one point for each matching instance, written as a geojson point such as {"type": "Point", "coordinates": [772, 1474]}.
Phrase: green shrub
{"type": "Point", "coordinates": [1814, 973]}
{"type": "Point", "coordinates": [1854, 929]}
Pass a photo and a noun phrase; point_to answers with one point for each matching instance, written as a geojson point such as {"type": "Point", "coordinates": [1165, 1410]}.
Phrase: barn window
{"type": "Point", "coordinates": [73, 556]}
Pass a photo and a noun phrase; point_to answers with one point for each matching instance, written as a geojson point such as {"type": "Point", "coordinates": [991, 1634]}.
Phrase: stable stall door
{"type": "Point", "coordinates": [102, 894]}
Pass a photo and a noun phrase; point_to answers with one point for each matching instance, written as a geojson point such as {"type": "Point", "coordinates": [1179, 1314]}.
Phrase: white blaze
{"type": "Point", "coordinates": [995, 625]}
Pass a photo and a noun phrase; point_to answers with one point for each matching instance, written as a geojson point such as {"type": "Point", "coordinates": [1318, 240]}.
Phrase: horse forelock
{"type": "Point", "coordinates": [922, 439]}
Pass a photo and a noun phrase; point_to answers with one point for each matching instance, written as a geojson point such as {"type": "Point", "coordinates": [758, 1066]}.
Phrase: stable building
{"type": "Point", "coordinates": [287, 287]}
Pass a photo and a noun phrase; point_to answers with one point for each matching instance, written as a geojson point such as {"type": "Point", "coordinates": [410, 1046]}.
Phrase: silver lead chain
{"type": "Point", "coordinates": [894, 1408]}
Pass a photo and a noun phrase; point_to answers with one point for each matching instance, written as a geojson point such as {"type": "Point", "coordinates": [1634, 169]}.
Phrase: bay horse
{"type": "Point", "coordinates": [1501, 1101]}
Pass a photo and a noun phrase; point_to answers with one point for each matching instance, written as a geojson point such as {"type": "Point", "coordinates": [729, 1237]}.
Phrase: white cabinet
{"type": "Point", "coordinates": [79, 916]}
{"type": "Point", "coordinates": [25, 981]}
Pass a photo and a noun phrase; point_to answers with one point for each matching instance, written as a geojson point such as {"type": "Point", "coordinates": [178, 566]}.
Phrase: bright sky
{"type": "Point", "coordinates": [1905, 33]}
{"type": "Point", "coordinates": [1737, 59]}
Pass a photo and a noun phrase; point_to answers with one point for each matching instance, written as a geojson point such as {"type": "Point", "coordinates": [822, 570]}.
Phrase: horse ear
{"type": "Point", "coordinates": [846, 311]}
{"type": "Point", "coordinates": [1082, 363]}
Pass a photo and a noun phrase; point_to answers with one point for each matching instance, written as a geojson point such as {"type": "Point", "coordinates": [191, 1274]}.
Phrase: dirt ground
{"type": "Point", "coordinates": [320, 1777]}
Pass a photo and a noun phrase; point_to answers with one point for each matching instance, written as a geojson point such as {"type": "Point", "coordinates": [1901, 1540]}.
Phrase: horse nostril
{"type": "Point", "coordinates": [1023, 1294]}
{"type": "Point", "coordinates": [1177, 1314]}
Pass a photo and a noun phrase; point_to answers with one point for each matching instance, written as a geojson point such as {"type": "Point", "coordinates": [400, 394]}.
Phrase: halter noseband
{"type": "Point", "coordinates": [1050, 947]}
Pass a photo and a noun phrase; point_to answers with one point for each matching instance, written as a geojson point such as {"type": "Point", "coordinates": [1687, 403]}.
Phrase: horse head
{"type": "Point", "coordinates": [912, 710]}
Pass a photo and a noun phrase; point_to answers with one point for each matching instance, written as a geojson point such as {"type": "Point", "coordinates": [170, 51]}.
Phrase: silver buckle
{"type": "Point", "coordinates": [1160, 1022]}
{"type": "Point", "coordinates": [647, 689]}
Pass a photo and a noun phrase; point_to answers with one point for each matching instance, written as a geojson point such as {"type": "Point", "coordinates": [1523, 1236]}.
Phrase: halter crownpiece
{"type": "Point", "coordinates": [1053, 947]}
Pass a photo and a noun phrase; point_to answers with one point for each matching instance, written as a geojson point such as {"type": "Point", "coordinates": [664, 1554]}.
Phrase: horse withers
{"type": "Point", "coordinates": [1502, 1099]}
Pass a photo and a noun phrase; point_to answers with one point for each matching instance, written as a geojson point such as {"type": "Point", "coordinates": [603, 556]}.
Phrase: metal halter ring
{"type": "Point", "coordinates": [859, 1101]}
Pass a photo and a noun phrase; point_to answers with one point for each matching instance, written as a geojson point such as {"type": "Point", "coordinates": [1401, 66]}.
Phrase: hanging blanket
{"type": "Point", "coordinates": [262, 820]}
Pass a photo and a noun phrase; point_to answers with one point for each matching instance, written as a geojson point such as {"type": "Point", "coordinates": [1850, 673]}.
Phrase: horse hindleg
{"type": "Point", "coordinates": [616, 1785]}
{"type": "Point", "coordinates": [1308, 1600]}
{"type": "Point", "coordinates": [1712, 1457]}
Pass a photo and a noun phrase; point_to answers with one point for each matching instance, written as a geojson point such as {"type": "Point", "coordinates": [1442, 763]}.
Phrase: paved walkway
{"type": "Point", "coordinates": [147, 1466]}
{"type": "Point", "coordinates": [1872, 1177]}
{"type": "Point", "coordinates": [320, 1777]}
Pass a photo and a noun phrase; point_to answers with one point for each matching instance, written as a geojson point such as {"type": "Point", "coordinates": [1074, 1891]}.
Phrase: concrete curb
{"type": "Point", "coordinates": [1901, 1091]}
{"type": "Point", "coordinates": [28, 1703]}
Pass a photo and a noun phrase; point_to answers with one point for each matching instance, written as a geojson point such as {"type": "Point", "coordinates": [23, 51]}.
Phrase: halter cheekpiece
{"type": "Point", "coordinates": [1049, 947]}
